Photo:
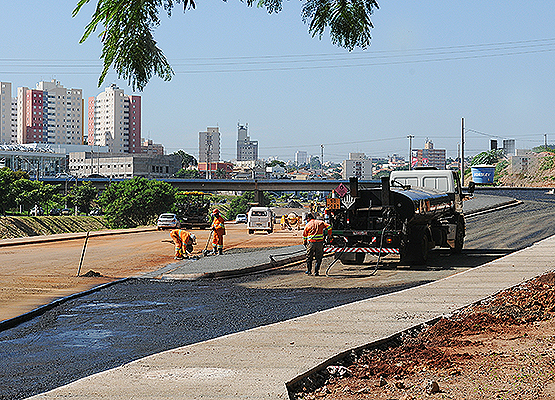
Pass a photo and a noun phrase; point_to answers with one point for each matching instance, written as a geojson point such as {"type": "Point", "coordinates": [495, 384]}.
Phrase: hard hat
{"type": "Point", "coordinates": [193, 238]}
{"type": "Point", "coordinates": [216, 211]}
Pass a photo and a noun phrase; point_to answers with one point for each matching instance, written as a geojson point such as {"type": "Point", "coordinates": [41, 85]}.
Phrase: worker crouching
{"type": "Point", "coordinates": [218, 227]}
{"type": "Point", "coordinates": [314, 235]}
{"type": "Point", "coordinates": [184, 242]}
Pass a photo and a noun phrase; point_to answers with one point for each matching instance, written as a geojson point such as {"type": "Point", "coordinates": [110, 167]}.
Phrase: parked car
{"type": "Point", "coordinates": [66, 211]}
{"type": "Point", "coordinates": [168, 221]}
{"type": "Point", "coordinates": [95, 211]}
{"type": "Point", "coordinates": [241, 219]}
{"type": "Point", "coordinates": [55, 212]}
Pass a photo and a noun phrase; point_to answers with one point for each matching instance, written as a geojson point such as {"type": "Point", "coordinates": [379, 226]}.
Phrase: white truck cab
{"type": "Point", "coordinates": [441, 180]}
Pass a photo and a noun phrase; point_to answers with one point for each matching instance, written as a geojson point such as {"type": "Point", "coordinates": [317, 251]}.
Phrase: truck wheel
{"type": "Point", "coordinates": [459, 238]}
{"type": "Point", "coordinates": [251, 231]}
{"type": "Point", "coordinates": [353, 258]}
{"type": "Point", "coordinates": [419, 246]}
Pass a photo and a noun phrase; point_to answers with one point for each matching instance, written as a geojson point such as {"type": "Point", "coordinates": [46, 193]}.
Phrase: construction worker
{"type": "Point", "coordinates": [184, 242]}
{"type": "Point", "coordinates": [219, 231]}
{"type": "Point", "coordinates": [314, 234]}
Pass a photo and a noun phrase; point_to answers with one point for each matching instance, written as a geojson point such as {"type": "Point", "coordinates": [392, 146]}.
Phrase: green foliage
{"type": "Point", "coordinates": [188, 174]}
{"type": "Point", "coordinates": [16, 189]}
{"type": "Point", "coordinates": [136, 202]}
{"type": "Point", "coordinates": [129, 47]}
{"type": "Point", "coordinates": [549, 148]}
{"type": "Point", "coordinates": [500, 170]}
{"type": "Point", "coordinates": [187, 160]}
{"type": "Point", "coordinates": [242, 204]}
{"type": "Point", "coordinates": [547, 163]}
{"type": "Point", "coordinates": [489, 157]}
{"type": "Point", "coordinates": [83, 196]}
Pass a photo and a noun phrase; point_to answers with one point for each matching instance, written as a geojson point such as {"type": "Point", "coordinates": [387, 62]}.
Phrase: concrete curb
{"type": "Point", "coordinates": [15, 321]}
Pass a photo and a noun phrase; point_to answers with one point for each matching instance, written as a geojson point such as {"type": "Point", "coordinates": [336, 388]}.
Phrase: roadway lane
{"type": "Point", "coordinates": [131, 320]}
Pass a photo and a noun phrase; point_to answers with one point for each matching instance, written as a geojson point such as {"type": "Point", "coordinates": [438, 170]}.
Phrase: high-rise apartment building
{"type": "Point", "coordinates": [209, 146]}
{"type": "Point", "coordinates": [115, 121]}
{"type": "Point", "coordinates": [7, 118]}
{"type": "Point", "coordinates": [50, 113]}
{"type": "Point", "coordinates": [429, 157]}
{"type": "Point", "coordinates": [247, 149]}
{"type": "Point", "coordinates": [301, 157]}
{"type": "Point", "coordinates": [358, 165]}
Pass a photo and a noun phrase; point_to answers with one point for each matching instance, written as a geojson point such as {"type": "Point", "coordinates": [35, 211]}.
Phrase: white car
{"type": "Point", "coordinates": [241, 219]}
{"type": "Point", "coordinates": [168, 221]}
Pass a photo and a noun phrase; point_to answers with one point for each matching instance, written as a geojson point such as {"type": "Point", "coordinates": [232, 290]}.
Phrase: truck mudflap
{"type": "Point", "coordinates": [373, 250]}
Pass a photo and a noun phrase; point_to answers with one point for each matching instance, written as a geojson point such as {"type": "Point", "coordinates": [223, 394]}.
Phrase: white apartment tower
{"type": "Point", "coordinates": [358, 165]}
{"type": "Point", "coordinates": [115, 121]}
{"type": "Point", "coordinates": [7, 118]}
{"type": "Point", "coordinates": [50, 114]}
{"type": "Point", "coordinates": [247, 149]}
{"type": "Point", "coordinates": [209, 145]}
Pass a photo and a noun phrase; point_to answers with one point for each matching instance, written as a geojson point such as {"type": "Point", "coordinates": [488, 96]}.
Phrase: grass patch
{"type": "Point", "coordinates": [13, 227]}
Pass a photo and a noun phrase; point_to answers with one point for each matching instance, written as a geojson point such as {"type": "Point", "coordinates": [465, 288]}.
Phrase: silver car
{"type": "Point", "coordinates": [168, 221]}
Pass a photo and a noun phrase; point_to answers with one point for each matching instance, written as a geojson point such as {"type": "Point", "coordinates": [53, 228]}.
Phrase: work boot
{"type": "Point", "coordinates": [220, 252]}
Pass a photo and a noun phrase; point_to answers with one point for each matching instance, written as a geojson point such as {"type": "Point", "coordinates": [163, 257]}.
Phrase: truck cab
{"type": "Point", "coordinates": [445, 181]}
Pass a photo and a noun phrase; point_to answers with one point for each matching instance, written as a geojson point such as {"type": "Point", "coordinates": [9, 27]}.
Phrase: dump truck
{"type": "Point", "coordinates": [193, 209]}
{"type": "Point", "coordinates": [408, 213]}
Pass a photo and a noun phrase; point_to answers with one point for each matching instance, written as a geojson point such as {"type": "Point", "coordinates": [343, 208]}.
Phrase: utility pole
{"type": "Point", "coordinates": [545, 140]}
{"type": "Point", "coordinates": [410, 150]}
{"type": "Point", "coordinates": [462, 152]}
{"type": "Point", "coordinates": [322, 159]}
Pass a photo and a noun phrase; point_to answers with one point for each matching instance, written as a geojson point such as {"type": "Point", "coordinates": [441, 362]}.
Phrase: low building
{"type": "Point", "coordinates": [121, 165]}
{"type": "Point", "coordinates": [38, 160]}
{"type": "Point", "coordinates": [216, 170]}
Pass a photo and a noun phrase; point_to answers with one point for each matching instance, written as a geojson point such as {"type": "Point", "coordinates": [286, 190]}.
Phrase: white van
{"type": "Point", "coordinates": [260, 219]}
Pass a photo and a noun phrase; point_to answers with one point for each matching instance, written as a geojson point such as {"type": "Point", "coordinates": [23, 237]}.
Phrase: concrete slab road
{"type": "Point", "coordinates": [258, 364]}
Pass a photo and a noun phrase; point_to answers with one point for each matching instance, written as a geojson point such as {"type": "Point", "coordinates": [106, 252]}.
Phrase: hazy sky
{"type": "Point", "coordinates": [430, 64]}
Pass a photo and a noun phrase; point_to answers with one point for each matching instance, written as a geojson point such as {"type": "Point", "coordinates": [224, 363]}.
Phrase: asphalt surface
{"type": "Point", "coordinates": [130, 320]}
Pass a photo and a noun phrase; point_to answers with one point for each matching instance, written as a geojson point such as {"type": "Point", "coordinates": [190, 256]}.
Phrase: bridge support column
{"type": "Point", "coordinates": [259, 197]}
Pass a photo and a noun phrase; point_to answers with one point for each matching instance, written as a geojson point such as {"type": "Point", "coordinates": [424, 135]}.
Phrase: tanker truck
{"type": "Point", "coordinates": [408, 213]}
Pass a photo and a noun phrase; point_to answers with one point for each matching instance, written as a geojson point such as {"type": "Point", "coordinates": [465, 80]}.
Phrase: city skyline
{"type": "Point", "coordinates": [426, 69]}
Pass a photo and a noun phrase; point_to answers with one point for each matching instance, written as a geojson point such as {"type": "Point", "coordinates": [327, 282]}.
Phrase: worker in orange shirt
{"type": "Point", "coordinates": [184, 242]}
{"type": "Point", "coordinates": [218, 227]}
{"type": "Point", "coordinates": [314, 234]}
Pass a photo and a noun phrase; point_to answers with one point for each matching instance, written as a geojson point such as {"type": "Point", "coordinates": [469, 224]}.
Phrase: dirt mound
{"type": "Point", "coordinates": [502, 348]}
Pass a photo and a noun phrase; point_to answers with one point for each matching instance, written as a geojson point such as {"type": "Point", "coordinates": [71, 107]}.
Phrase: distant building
{"type": "Point", "coordinates": [209, 145]}
{"type": "Point", "coordinates": [149, 147]}
{"type": "Point", "coordinates": [38, 160]}
{"type": "Point", "coordinates": [216, 170]}
{"type": "Point", "coordinates": [509, 147]}
{"type": "Point", "coordinates": [301, 157]}
{"type": "Point", "coordinates": [115, 121]}
{"type": "Point", "coordinates": [358, 165]}
{"type": "Point", "coordinates": [429, 157]}
{"type": "Point", "coordinates": [247, 149]}
{"type": "Point", "coordinates": [123, 165]}
{"type": "Point", "coordinates": [50, 114]}
{"type": "Point", "coordinates": [8, 121]}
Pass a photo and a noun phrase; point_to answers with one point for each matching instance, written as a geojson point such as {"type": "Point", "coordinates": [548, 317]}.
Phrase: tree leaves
{"type": "Point", "coordinates": [129, 46]}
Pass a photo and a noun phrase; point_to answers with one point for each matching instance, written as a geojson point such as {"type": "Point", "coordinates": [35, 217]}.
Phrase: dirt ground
{"type": "Point", "coordinates": [503, 348]}
{"type": "Point", "coordinates": [35, 274]}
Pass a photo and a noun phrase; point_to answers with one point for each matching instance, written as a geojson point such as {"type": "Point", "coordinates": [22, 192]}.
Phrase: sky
{"type": "Point", "coordinates": [430, 64]}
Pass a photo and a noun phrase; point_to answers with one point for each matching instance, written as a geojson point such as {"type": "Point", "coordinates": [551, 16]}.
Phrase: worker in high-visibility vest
{"type": "Point", "coordinates": [218, 227]}
{"type": "Point", "coordinates": [314, 234]}
{"type": "Point", "coordinates": [184, 242]}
